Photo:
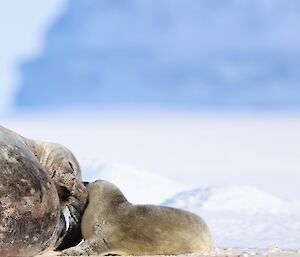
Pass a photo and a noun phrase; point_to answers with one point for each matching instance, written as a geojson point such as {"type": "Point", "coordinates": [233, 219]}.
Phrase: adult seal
{"type": "Point", "coordinates": [113, 226]}
{"type": "Point", "coordinates": [38, 181]}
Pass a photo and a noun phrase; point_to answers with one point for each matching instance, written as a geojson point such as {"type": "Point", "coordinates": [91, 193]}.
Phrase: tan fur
{"type": "Point", "coordinates": [112, 225]}
{"type": "Point", "coordinates": [63, 168]}
{"type": "Point", "coordinates": [65, 171]}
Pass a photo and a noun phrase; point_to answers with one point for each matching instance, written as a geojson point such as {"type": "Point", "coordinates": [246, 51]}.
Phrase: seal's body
{"type": "Point", "coordinates": [29, 203]}
{"type": "Point", "coordinates": [111, 225]}
{"type": "Point", "coordinates": [37, 181]}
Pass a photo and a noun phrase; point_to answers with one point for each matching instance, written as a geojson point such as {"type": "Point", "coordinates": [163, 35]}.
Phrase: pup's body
{"type": "Point", "coordinates": [112, 225]}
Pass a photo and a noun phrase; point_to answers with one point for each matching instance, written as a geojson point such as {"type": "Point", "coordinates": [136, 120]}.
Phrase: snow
{"type": "Point", "coordinates": [243, 216]}
{"type": "Point", "coordinates": [244, 168]}
{"type": "Point", "coordinates": [197, 149]}
{"type": "Point", "coordinates": [238, 216]}
{"type": "Point", "coordinates": [239, 172]}
{"type": "Point", "coordinates": [228, 252]}
{"type": "Point", "coordinates": [236, 199]}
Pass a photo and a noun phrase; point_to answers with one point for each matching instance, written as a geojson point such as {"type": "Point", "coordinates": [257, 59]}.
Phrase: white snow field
{"type": "Point", "coordinates": [240, 171]}
{"type": "Point", "coordinates": [242, 216]}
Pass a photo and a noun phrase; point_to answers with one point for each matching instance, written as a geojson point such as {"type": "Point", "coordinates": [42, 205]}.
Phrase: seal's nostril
{"type": "Point", "coordinates": [86, 183]}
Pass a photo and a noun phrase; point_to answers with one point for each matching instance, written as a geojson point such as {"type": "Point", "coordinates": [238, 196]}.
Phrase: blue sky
{"type": "Point", "coordinates": [167, 52]}
{"type": "Point", "coordinates": [23, 25]}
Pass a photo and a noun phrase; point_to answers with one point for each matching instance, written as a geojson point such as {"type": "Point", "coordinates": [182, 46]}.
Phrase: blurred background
{"type": "Point", "coordinates": [182, 54]}
{"type": "Point", "coordinates": [173, 94]}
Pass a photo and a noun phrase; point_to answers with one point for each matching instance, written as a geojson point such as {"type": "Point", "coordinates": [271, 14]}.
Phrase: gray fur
{"type": "Point", "coordinates": [36, 183]}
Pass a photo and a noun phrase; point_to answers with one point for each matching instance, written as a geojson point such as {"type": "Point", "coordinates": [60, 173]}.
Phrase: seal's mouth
{"type": "Point", "coordinates": [66, 215]}
{"type": "Point", "coordinates": [73, 204]}
{"type": "Point", "coordinates": [70, 232]}
{"type": "Point", "coordinates": [64, 225]}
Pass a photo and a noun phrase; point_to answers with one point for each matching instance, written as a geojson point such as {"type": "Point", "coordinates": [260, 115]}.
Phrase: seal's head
{"type": "Point", "coordinates": [111, 194]}
{"type": "Point", "coordinates": [64, 170]}
{"type": "Point", "coordinates": [66, 173]}
{"type": "Point", "coordinates": [104, 200]}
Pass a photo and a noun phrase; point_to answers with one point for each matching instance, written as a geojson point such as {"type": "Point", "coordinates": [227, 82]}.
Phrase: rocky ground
{"type": "Point", "coordinates": [230, 252]}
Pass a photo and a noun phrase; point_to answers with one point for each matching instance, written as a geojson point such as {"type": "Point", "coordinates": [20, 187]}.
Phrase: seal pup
{"type": "Point", "coordinates": [37, 182]}
{"type": "Point", "coordinates": [113, 226]}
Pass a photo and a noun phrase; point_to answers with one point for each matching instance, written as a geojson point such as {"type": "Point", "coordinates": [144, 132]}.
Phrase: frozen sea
{"type": "Point", "coordinates": [239, 171]}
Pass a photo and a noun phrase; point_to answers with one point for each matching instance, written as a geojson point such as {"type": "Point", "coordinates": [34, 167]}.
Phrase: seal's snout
{"type": "Point", "coordinates": [71, 235]}
{"type": "Point", "coordinates": [63, 227]}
